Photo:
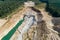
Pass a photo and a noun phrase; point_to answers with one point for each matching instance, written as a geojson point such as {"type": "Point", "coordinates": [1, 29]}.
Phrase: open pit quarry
{"type": "Point", "coordinates": [29, 24]}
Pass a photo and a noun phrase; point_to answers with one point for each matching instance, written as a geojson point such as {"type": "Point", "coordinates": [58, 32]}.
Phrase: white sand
{"type": "Point", "coordinates": [2, 22]}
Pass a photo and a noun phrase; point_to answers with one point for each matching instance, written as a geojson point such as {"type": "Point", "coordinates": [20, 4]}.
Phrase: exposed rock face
{"type": "Point", "coordinates": [31, 33]}
{"type": "Point", "coordinates": [41, 31]}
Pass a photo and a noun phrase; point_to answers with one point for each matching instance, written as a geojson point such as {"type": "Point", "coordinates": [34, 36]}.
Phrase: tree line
{"type": "Point", "coordinates": [6, 7]}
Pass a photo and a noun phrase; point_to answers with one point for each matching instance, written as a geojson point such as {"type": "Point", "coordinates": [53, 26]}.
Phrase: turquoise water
{"type": "Point", "coordinates": [12, 31]}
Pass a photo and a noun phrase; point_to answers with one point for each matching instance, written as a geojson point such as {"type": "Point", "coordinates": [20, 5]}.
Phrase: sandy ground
{"type": "Point", "coordinates": [31, 31]}
{"type": "Point", "coordinates": [14, 20]}
{"type": "Point", "coordinates": [11, 23]}
{"type": "Point", "coordinates": [47, 18]}
{"type": "Point", "coordinates": [2, 22]}
{"type": "Point", "coordinates": [30, 34]}
{"type": "Point", "coordinates": [25, 36]}
{"type": "Point", "coordinates": [16, 34]}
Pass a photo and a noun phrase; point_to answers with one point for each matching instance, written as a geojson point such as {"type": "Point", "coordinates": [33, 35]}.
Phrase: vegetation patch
{"type": "Point", "coordinates": [7, 7]}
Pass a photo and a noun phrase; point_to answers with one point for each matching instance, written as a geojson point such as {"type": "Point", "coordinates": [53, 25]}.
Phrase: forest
{"type": "Point", "coordinates": [8, 6]}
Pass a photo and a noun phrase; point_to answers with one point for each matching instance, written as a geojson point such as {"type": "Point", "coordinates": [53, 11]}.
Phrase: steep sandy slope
{"type": "Point", "coordinates": [11, 23]}
{"type": "Point", "coordinates": [42, 31]}
{"type": "Point", "coordinates": [2, 22]}
{"type": "Point", "coordinates": [45, 28]}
